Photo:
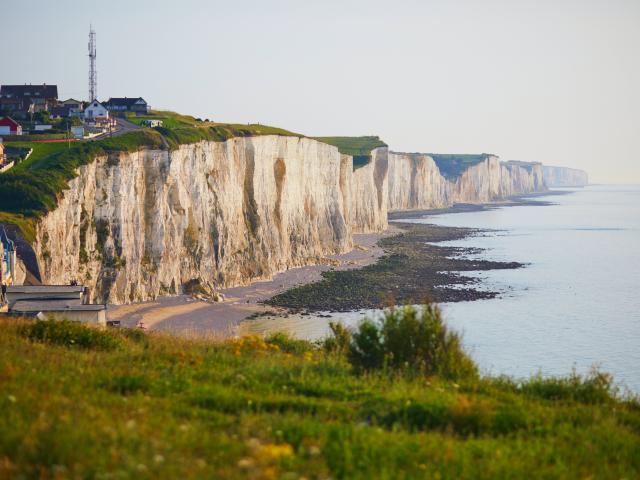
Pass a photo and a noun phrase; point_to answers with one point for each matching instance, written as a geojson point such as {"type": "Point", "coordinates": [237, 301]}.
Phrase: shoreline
{"type": "Point", "coordinates": [403, 263]}
{"type": "Point", "coordinates": [186, 315]}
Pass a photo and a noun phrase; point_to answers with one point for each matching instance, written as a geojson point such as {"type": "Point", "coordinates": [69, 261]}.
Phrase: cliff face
{"type": "Point", "coordinates": [369, 193]}
{"type": "Point", "coordinates": [565, 177]}
{"type": "Point", "coordinates": [133, 226]}
{"type": "Point", "coordinates": [137, 225]}
{"type": "Point", "coordinates": [415, 182]}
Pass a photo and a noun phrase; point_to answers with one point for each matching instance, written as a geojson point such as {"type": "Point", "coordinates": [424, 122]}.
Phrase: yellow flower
{"type": "Point", "coordinates": [272, 451]}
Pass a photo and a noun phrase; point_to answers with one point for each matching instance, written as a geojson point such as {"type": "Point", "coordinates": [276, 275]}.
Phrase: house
{"type": "Point", "coordinates": [75, 108]}
{"type": "Point", "coordinates": [63, 111]}
{"type": "Point", "coordinates": [54, 301]}
{"type": "Point", "coordinates": [96, 112]}
{"type": "Point", "coordinates": [72, 103]}
{"type": "Point", "coordinates": [137, 105]}
{"type": "Point", "coordinates": [21, 100]}
{"type": "Point", "coordinates": [8, 126]}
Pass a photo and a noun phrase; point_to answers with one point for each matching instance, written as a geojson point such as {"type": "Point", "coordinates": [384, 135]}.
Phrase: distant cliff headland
{"type": "Point", "coordinates": [202, 205]}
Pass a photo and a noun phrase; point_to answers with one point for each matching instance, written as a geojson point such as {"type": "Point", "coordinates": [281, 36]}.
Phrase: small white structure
{"type": "Point", "coordinates": [42, 128]}
{"type": "Point", "coordinates": [54, 301]}
{"type": "Point", "coordinates": [77, 131]}
{"type": "Point", "coordinates": [96, 112]}
{"type": "Point", "coordinates": [152, 122]}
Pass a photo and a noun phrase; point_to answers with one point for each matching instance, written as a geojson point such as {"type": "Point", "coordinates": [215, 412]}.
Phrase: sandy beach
{"type": "Point", "coordinates": [184, 315]}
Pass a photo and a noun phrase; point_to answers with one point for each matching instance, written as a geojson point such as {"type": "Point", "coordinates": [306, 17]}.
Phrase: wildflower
{"type": "Point", "coordinates": [11, 398]}
{"type": "Point", "coordinates": [246, 463]}
{"type": "Point", "coordinates": [158, 458]}
{"type": "Point", "coordinates": [314, 450]}
{"type": "Point", "coordinates": [272, 451]}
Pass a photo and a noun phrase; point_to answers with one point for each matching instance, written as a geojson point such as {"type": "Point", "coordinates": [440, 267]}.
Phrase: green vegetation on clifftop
{"type": "Point", "coordinates": [358, 147]}
{"type": "Point", "coordinates": [33, 187]}
{"type": "Point", "coordinates": [454, 165]}
{"type": "Point", "coordinates": [82, 403]}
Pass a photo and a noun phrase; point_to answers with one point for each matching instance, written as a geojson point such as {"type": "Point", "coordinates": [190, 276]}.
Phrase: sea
{"type": "Point", "coordinates": [574, 306]}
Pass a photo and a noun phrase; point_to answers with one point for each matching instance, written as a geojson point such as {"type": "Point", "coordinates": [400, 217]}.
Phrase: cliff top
{"type": "Point", "coordinates": [32, 188]}
{"type": "Point", "coordinates": [454, 165]}
{"type": "Point", "coordinates": [359, 148]}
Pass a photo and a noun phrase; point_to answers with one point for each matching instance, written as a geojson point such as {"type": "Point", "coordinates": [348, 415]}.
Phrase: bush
{"type": "Point", "coordinates": [288, 344]}
{"type": "Point", "coordinates": [594, 387]}
{"type": "Point", "coordinates": [411, 340]}
{"type": "Point", "coordinates": [69, 334]}
{"type": "Point", "coordinates": [340, 340]}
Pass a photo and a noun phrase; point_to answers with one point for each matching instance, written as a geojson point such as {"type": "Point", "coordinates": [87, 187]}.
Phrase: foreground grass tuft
{"type": "Point", "coordinates": [259, 408]}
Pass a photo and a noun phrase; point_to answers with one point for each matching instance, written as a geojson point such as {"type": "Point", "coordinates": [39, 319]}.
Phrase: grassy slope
{"type": "Point", "coordinates": [358, 147]}
{"type": "Point", "coordinates": [159, 407]}
{"type": "Point", "coordinates": [31, 188]}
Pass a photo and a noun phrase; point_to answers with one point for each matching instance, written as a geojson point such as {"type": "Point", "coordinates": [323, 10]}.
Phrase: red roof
{"type": "Point", "coordinates": [9, 122]}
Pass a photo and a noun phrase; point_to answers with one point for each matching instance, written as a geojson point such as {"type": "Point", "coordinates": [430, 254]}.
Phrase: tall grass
{"type": "Point", "coordinates": [260, 408]}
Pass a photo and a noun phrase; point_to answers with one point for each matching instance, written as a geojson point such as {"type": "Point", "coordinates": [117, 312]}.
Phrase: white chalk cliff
{"type": "Point", "coordinates": [136, 225]}
{"type": "Point", "coordinates": [565, 177]}
{"type": "Point", "coordinates": [133, 226]}
{"type": "Point", "coordinates": [415, 182]}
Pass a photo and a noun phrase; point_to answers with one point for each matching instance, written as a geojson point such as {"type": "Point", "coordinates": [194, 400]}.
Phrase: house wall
{"type": "Point", "coordinates": [98, 317]}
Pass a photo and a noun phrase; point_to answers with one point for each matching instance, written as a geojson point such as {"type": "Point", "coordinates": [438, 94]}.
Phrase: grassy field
{"type": "Point", "coordinates": [84, 403]}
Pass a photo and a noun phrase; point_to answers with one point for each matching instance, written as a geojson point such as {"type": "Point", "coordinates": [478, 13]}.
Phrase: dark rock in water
{"type": "Point", "coordinates": [414, 268]}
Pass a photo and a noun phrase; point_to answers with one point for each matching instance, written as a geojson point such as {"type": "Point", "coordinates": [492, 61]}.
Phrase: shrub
{"type": "Point", "coordinates": [339, 341]}
{"type": "Point", "coordinates": [594, 387]}
{"type": "Point", "coordinates": [288, 344]}
{"type": "Point", "coordinates": [69, 334]}
{"type": "Point", "coordinates": [410, 339]}
{"type": "Point", "coordinates": [125, 384]}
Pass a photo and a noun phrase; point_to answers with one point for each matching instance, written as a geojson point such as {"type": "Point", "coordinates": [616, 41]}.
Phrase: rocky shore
{"type": "Point", "coordinates": [412, 269]}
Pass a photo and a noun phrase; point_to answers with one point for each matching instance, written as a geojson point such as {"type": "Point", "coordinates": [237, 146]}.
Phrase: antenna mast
{"type": "Point", "coordinates": [93, 74]}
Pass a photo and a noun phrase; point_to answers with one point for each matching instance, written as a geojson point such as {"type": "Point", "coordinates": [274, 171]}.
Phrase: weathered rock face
{"type": "Point", "coordinates": [415, 182]}
{"type": "Point", "coordinates": [492, 180]}
{"type": "Point", "coordinates": [565, 177]}
{"type": "Point", "coordinates": [369, 193]}
{"type": "Point", "coordinates": [138, 225]}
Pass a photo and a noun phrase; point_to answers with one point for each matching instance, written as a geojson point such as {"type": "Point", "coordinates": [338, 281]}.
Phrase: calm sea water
{"type": "Point", "coordinates": [575, 305]}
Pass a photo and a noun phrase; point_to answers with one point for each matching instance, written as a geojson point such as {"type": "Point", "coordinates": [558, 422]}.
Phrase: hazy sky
{"type": "Point", "coordinates": [551, 81]}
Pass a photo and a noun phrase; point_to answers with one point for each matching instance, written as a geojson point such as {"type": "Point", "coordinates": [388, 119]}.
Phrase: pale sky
{"type": "Point", "coordinates": [540, 80]}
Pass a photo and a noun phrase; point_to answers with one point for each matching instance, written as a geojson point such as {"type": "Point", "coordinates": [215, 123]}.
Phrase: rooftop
{"type": "Point", "coordinates": [45, 289]}
{"type": "Point", "coordinates": [44, 91]}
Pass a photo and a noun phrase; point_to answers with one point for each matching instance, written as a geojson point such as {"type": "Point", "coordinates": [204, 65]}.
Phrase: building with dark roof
{"type": "Point", "coordinates": [60, 302]}
{"type": "Point", "coordinates": [23, 99]}
{"type": "Point", "coordinates": [138, 105]}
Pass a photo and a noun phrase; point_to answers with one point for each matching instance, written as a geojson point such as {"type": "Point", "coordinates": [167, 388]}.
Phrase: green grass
{"type": "Point", "coordinates": [358, 147]}
{"type": "Point", "coordinates": [454, 165]}
{"type": "Point", "coordinates": [33, 187]}
{"type": "Point", "coordinates": [124, 404]}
